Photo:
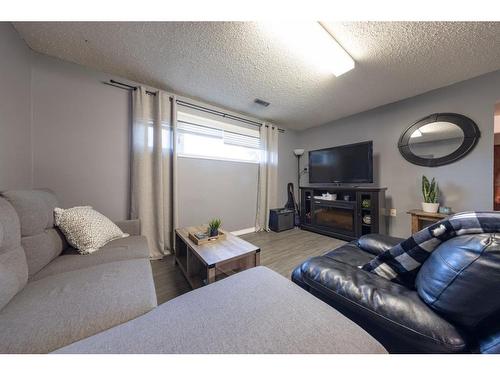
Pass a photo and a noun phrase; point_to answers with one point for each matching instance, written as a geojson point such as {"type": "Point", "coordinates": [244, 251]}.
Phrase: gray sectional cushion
{"type": "Point", "coordinates": [41, 242]}
{"type": "Point", "coordinates": [132, 227]}
{"type": "Point", "coordinates": [134, 247]}
{"type": "Point", "coordinates": [13, 266]}
{"type": "Point", "coordinates": [64, 308]}
{"type": "Point", "coordinates": [42, 248]}
{"type": "Point", "coordinates": [35, 209]}
{"type": "Point", "coordinates": [138, 245]}
{"type": "Point", "coordinates": [255, 311]}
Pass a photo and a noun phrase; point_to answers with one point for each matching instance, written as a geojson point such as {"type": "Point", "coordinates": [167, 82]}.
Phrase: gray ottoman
{"type": "Point", "coordinates": [255, 311]}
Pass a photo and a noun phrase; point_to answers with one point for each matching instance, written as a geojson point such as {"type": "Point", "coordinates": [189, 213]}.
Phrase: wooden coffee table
{"type": "Point", "coordinates": [205, 264]}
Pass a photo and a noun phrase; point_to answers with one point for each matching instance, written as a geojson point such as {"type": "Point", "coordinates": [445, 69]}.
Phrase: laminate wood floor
{"type": "Point", "coordinates": [281, 252]}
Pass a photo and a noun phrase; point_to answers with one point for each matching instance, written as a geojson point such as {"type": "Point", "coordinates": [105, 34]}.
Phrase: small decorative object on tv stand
{"type": "Point", "coordinates": [327, 197]}
{"type": "Point", "coordinates": [366, 203]}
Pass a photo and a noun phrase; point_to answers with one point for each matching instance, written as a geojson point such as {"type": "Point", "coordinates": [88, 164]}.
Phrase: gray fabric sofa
{"type": "Point", "coordinates": [54, 300]}
{"type": "Point", "coordinates": [255, 311]}
{"type": "Point", "coordinates": [50, 296]}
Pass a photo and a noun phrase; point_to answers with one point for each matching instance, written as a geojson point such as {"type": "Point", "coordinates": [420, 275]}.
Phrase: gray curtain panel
{"type": "Point", "coordinates": [153, 168]}
{"type": "Point", "coordinates": [267, 195]}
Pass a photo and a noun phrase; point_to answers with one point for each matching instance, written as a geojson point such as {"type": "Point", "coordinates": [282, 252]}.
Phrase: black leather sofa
{"type": "Point", "coordinates": [454, 306]}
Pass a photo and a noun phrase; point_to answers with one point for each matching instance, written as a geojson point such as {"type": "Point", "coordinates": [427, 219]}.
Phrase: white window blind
{"type": "Point", "coordinates": [202, 135]}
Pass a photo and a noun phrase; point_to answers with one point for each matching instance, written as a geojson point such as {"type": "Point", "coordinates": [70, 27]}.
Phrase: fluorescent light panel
{"type": "Point", "coordinates": [314, 44]}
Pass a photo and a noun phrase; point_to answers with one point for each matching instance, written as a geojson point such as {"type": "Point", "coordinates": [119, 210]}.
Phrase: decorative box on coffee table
{"type": "Point", "coordinates": [206, 263]}
{"type": "Point", "coordinates": [205, 240]}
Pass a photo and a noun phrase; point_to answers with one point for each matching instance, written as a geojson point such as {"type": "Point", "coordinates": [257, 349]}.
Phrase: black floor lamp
{"type": "Point", "coordinates": [298, 153]}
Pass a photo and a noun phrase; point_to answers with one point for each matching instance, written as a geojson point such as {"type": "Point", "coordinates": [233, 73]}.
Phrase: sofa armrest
{"type": "Point", "coordinates": [132, 227]}
{"type": "Point", "coordinates": [490, 344]}
{"type": "Point", "coordinates": [377, 243]}
{"type": "Point", "coordinates": [395, 315]}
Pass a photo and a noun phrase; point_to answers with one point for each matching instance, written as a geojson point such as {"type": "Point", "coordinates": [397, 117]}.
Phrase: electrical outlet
{"type": "Point", "coordinates": [392, 212]}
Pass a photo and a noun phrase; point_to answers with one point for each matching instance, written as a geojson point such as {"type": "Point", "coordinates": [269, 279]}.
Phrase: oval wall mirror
{"type": "Point", "coordinates": [438, 139]}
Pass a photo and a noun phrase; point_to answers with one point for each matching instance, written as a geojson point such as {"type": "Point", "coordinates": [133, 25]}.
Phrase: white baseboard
{"type": "Point", "coordinates": [243, 231]}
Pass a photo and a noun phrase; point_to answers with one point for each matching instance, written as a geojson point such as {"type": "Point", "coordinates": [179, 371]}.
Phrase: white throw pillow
{"type": "Point", "coordinates": [86, 229]}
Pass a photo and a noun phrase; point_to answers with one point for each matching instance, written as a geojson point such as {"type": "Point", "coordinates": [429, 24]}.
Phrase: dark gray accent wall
{"type": "Point", "coordinates": [466, 184]}
{"type": "Point", "coordinates": [15, 113]}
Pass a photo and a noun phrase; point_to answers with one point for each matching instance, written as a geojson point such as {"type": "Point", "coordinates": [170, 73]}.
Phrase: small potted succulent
{"type": "Point", "coordinates": [430, 191]}
{"type": "Point", "coordinates": [213, 227]}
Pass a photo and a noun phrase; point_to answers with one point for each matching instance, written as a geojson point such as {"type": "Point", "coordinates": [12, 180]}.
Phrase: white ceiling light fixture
{"type": "Point", "coordinates": [314, 44]}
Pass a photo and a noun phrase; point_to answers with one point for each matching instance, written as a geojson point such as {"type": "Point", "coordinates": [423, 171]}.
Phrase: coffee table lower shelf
{"type": "Point", "coordinates": [195, 281]}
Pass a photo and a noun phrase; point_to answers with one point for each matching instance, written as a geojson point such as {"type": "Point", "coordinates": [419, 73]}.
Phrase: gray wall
{"type": "Point", "coordinates": [15, 113]}
{"type": "Point", "coordinates": [214, 188]}
{"type": "Point", "coordinates": [80, 136]}
{"type": "Point", "coordinates": [228, 189]}
{"type": "Point", "coordinates": [81, 131]}
{"type": "Point", "coordinates": [466, 184]}
{"type": "Point", "coordinates": [225, 189]}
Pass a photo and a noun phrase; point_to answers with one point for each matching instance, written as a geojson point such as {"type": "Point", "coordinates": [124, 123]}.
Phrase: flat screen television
{"type": "Point", "coordinates": [343, 164]}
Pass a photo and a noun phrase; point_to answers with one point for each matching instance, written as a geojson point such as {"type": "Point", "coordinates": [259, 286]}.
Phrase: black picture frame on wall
{"type": "Point", "coordinates": [471, 137]}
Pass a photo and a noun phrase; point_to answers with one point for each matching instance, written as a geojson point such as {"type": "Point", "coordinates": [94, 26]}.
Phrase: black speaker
{"type": "Point", "coordinates": [281, 219]}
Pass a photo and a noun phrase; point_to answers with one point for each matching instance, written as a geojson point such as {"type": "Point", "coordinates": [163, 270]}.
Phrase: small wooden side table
{"type": "Point", "coordinates": [421, 219]}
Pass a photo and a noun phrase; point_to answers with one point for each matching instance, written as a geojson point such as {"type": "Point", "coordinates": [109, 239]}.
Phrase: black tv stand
{"type": "Point", "coordinates": [357, 210]}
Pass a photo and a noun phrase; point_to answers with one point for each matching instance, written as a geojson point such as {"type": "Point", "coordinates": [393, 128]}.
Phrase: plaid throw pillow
{"type": "Point", "coordinates": [402, 262]}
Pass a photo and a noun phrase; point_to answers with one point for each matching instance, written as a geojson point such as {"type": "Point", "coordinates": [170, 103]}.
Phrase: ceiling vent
{"type": "Point", "coordinates": [262, 102]}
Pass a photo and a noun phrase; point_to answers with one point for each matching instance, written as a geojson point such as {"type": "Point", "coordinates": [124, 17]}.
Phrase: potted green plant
{"type": "Point", "coordinates": [213, 227]}
{"type": "Point", "coordinates": [430, 192]}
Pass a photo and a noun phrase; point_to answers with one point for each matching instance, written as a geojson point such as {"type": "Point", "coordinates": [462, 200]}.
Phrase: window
{"type": "Point", "coordinates": [165, 131]}
{"type": "Point", "coordinates": [205, 137]}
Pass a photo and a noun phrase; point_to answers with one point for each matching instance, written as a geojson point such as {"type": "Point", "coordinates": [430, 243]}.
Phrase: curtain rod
{"type": "Point", "coordinates": [125, 86]}
{"type": "Point", "coordinates": [225, 115]}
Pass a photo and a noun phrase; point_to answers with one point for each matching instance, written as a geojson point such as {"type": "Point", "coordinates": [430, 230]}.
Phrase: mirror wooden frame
{"type": "Point", "coordinates": [471, 137]}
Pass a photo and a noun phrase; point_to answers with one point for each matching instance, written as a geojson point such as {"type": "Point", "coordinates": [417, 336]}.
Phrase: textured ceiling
{"type": "Point", "coordinates": [232, 63]}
